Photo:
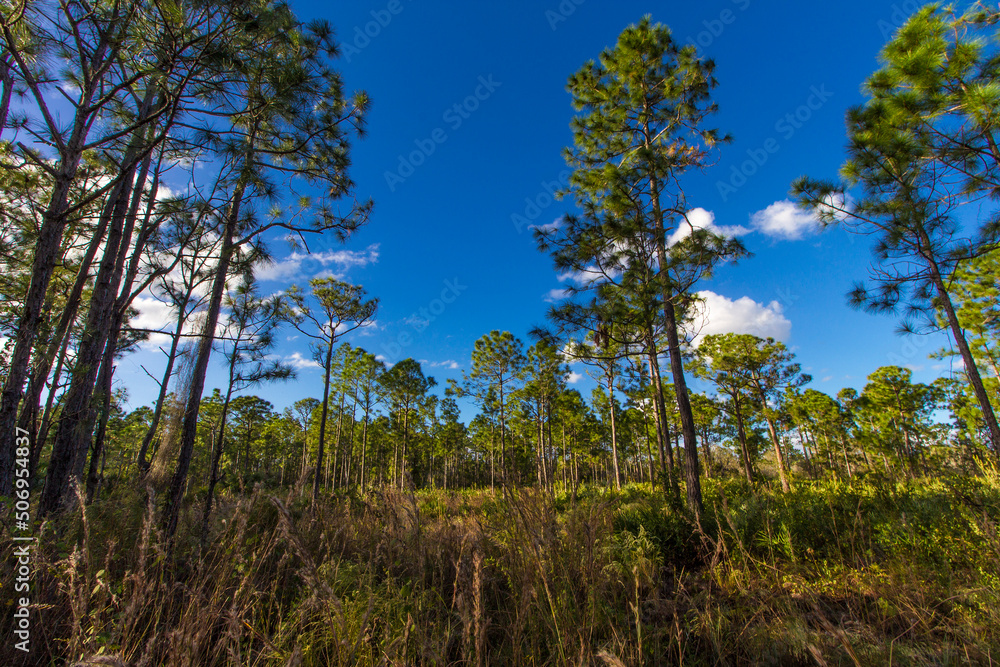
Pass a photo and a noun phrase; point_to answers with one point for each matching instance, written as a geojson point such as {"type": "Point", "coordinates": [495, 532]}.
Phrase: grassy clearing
{"type": "Point", "coordinates": [833, 573]}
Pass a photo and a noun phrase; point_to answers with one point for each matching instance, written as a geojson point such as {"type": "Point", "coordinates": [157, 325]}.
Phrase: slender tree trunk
{"type": "Point", "coordinates": [614, 434]}
{"type": "Point", "coordinates": [364, 448]}
{"type": "Point", "coordinates": [847, 461]}
{"type": "Point", "coordinates": [104, 381]}
{"type": "Point", "coordinates": [43, 430]}
{"type": "Point", "coordinates": [660, 417]}
{"type": "Point", "coordinates": [73, 437]}
{"type": "Point", "coordinates": [691, 467]}
{"type": "Point", "coordinates": [335, 458]}
{"type": "Point", "coordinates": [7, 81]}
{"type": "Point", "coordinates": [406, 439]}
{"type": "Point", "coordinates": [161, 398]}
{"type": "Point", "coordinates": [676, 361]}
{"type": "Point", "coordinates": [213, 479]}
{"type": "Point", "coordinates": [189, 429]}
{"type": "Point", "coordinates": [327, 367]}
{"type": "Point", "coordinates": [565, 456]}
{"type": "Point", "coordinates": [349, 453]}
{"type": "Point", "coordinates": [538, 451]}
{"type": "Point", "coordinates": [649, 449]}
{"type": "Point", "coordinates": [958, 334]}
{"type": "Point", "coordinates": [47, 247]}
{"type": "Point", "coordinates": [707, 446]}
{"type": "Point", "coordinates": [868, 463]}
{"type": "Point", "coordinates": [503, 439]}
{"type": "Point", "coordinates": [805, 452]}
{"type": "Point", "coordinates": [742, 434]}
{"type": "Point", "coordinates": [60, 338]}
{"type": "Point", "coordinates": [786, 487]}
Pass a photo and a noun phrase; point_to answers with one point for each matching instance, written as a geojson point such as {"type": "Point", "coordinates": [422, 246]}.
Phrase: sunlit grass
{"type": "Point", "coordinates": [833, 573]}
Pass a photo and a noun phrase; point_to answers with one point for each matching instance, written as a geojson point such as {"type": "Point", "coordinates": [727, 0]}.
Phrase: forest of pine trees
{"type": "Point", "coordinates": [700, 481]}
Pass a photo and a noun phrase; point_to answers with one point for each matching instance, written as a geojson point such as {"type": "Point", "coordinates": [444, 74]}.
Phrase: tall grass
{"type": "Point", "coordinates": [833, 573]}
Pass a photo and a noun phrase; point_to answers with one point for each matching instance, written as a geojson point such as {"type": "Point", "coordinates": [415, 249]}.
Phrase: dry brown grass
{"type": "Point", "coordinates": [832, 575]}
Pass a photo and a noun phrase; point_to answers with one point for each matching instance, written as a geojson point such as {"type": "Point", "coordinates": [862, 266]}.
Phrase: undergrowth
{"type": "Point", "coordinates": [832, 573]}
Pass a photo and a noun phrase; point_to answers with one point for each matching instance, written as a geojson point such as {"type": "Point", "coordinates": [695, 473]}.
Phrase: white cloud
{"type": "Point", "coordinates": [450, 364]}
{"type": "Point", "coordinates": [297, 361]}
{"type": "Point", "coordinates": [582, 278]}
{"type": "Point", "coordinates": [785, 220]}
{"type": "Point", "coordinates": [369, 328]}
{"type": "Point", "coordinates": [573, 378]}
{"type": "Point", "coordinates": [557, 294]}
{"type": "Point", "coordinates": [718, 314]}
{"type": "Point", "coordinates": [551, 227]}
{"type": "Point", "coordinates": [164, 192]}
{"type": "Point", "coordinates": [418, 323]}
{"type": "Point", "coordinates": [158, 316]}
{"type": "Point", "coordinates": [699, 218]}
{"type": "Point", "coordinates": [332, 263]}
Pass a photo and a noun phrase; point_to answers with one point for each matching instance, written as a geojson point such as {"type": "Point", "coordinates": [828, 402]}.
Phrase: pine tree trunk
{"type": "Point", "coordinates": [614, 433]}
{"type": "Point", "coordinates": [74, 434]}
{"type": "Point", "coordinates": [46, 256]}
{"type": "Point", "coordinates": [327, 366]}
{"type": "Point", "coordinates": [741, 432]}
{"type": "Point", "coordinates": [660, 417]}
{"type": "Point", "coordinates": [161, 398]}
{"type": "Point", "coordinates": [786, 487]}
{"type": "Point", "coordinates": [189, 428]}
{"type": "Point", "coordinates": [971, 368]}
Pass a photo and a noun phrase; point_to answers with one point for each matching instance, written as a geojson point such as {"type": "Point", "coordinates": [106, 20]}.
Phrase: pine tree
{"type": "Point", "coordinates": [640, 127]}
{"type": "Point", "coordinates": [405, 387]}
{"type": "Point", "coordinates": [337, 309]}
{"type": "Point", "coordinates": [920, 149]}
{"type": "Point", "coordinates": [497, 371]}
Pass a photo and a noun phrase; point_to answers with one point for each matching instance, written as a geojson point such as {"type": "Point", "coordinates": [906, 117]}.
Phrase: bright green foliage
{"type": "Point", "coordinates": [545, 378]}
{"type": "Point", "coordinates": [753, 372]}
{"type": "Point", "coordinates": [708, 413]}
{"type": "Point", "coordinates": [497, 372]}
{"type": "Point", "coordinates": [900, 411]}
{"type": "Point", "coordinates": [405, 388]}
{"type": "Point", "coordinates": [248, 420]}
{"type": "Point", "coordinates": [641, 125]}
{"type": "Point", "coordinates": [339, 307]}
{"type": "Point", "coordinates": [823, 420]}
{"type": "Point", "coordinates": [920, 148]}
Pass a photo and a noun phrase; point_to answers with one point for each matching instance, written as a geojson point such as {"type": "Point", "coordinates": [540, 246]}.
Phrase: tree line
{"type": "Point", "coordinates": [385, 426]}
{"type": "Point", "coordinates": [105, 105]}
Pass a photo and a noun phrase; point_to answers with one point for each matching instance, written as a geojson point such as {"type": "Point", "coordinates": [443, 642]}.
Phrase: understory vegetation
{"type": "Point", "coordinates": [871, 571]}
{"type": "Point", "coordinates": [700, 506]}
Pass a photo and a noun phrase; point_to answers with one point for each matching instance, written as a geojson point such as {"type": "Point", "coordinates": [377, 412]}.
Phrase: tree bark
{"type": "Point", "coordinates": [189, 429]}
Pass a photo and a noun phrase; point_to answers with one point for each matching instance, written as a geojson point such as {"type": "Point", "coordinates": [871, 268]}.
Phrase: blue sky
{"type": "Point", "coordinates": [468, 121]}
